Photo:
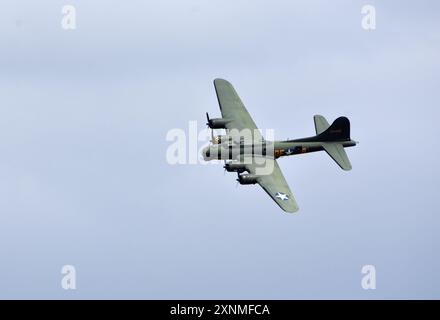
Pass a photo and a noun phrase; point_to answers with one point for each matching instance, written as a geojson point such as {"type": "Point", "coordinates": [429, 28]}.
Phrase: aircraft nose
{"type": "Point", "coordinates": [205, 153]}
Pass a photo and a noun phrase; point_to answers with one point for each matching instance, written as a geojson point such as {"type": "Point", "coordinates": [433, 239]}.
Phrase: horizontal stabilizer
{"type": "Point", "coordinates": [337, 152]}
{"type": "Point", "coordinates": [321, 124]}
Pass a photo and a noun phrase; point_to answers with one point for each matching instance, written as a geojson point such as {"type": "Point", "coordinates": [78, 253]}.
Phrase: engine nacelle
{"type": "Point", "coordinates": [218, 139]}
{"type": "Point", "coordinates": [235, 167]}
{"type": "Point", "coordinates": [217, 123]}
{"type": "Point", "coordinates": [247, 179]}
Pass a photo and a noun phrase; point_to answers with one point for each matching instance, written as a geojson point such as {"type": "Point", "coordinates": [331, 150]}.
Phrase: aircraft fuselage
{"type": "Point", "coordinates": [232, 151]}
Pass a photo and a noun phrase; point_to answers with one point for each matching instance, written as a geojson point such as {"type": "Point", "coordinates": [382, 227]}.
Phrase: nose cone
{"type": "Point", "coordinates": [205, 153]}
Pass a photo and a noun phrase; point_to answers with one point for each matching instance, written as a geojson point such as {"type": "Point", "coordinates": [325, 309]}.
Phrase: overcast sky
{"type": "Point", "coordinates": [83, 174]}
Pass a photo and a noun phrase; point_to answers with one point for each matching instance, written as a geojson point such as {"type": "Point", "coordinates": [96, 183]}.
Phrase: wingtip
{"type": "Point", "coordinates": [220, 80]}
{"type": "Point", "coordinates": [293, 209]}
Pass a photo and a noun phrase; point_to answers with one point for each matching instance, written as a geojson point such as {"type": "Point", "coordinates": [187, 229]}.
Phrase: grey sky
{"type": "Point", "coordinates": [83, 176]}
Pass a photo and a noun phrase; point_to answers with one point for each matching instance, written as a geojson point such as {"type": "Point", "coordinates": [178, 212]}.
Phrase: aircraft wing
{"type": "Point", "coordinates": [233, 109]}
{"type": "Point", "coordinates": [275, 184]}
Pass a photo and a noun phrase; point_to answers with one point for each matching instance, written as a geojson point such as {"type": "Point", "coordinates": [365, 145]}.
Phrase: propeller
{"type": "Point", "coordinates": [238, 180]}
{"type": "Point", "coordinates": [224, 167]}
{"type": "Point", "coordinates": [208, 123]}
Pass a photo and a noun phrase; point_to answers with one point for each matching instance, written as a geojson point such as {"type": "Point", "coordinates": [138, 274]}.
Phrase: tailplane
{"type": "Point", "coordinates": [336, 152]}
{"type": "Point", "coordinates": [334, 138]}
{"type": "Point", "coordinates": [321, 124]}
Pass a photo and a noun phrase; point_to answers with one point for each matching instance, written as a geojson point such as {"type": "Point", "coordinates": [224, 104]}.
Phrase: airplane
{"type": "Point", "coordinates": [248, 154]}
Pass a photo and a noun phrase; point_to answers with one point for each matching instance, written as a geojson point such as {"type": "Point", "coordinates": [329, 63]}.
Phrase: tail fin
{"type": "Point", "coordinates": [332, 138]}
{"type": "Point", "coordinates": [338, 131]}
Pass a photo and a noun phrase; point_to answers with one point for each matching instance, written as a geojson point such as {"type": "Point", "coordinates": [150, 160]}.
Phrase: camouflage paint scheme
{"type": "Point", "coordinates": [246, 152]}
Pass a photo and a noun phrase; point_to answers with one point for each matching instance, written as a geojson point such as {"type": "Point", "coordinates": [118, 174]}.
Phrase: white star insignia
{"type": "Point", "coordinates": [289, 151]}
{"type": "Point", "coordinates": [282, 196]}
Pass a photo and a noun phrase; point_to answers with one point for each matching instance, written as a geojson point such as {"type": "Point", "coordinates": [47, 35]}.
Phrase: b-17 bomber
{"type": "Point", "coordinates": [254, 159]}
